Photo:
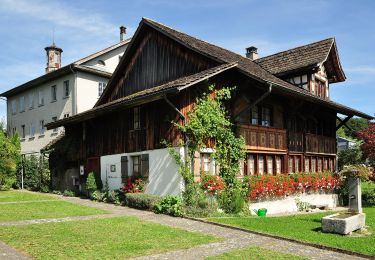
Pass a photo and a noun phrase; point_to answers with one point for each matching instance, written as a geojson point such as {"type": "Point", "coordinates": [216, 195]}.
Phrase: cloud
{"type": "Point", "coordinates": [369, 70]}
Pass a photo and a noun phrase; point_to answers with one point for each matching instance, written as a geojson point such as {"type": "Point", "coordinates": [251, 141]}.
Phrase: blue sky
{"type": "Point", "coordinates": [85, 26]}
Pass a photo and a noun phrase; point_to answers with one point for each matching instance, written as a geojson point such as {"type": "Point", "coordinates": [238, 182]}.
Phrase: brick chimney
{"type": "Point", "coordinates": [122, 33]}
{"type": "Point", "coordinates": [252, 53]}
{"type": "Point", "coordinates": [53, 58]}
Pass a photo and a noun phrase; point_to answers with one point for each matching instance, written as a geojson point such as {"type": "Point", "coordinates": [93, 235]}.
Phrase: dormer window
{"type": "Point", "coordinates": [101, 62]}
{"type": "Point", "coordinates": [300, 81]}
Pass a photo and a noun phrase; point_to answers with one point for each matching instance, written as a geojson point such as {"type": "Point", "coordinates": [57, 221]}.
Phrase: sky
{"type": "Point", "coordinates": [81, 27]}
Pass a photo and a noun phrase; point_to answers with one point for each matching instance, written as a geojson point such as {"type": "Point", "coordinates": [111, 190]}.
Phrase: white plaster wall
{"type": "Point", "coordinates": [46, 112]}
{"type": "Point", "coordinates": [164, 178]}
{"type": "Point", "coordinates": [87, 90]}
{"type": "Point", "coordinates": [288, 205]}
{"type": "Point", "coordinates": [111, 59]}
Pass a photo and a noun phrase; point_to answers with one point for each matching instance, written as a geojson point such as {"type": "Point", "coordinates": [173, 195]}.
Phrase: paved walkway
{"type": "Point", "coordinates": [233, 239]}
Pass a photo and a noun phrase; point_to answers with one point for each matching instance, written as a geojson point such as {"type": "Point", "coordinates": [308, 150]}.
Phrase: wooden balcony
{"type": "Point", "coordinates": [260, 138]}
{"type": "Point", "coordinates": [320, 144]}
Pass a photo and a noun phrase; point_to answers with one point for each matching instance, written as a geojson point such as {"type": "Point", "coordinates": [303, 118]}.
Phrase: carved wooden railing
{"type": "Point", "coordinates": [320, 144]}
{"type": "Point", "coordinates": [262, 138]}
{"type": "Point", "coordinates": [296, 142]}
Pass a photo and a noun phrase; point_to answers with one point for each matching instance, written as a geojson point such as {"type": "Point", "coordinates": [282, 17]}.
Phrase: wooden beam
{"type": "Point", "coordinates": [343, 122]}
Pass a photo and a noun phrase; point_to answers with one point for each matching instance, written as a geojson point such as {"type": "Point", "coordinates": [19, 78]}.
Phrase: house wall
{"type": "Point", "coordinates": [87, 90]}
{"type": "Point", "coordinates": [111, 59]}
{"type": "Point", "coordinates": [164, 178]}
{"type": "Point", "coordinates": [32, 116]}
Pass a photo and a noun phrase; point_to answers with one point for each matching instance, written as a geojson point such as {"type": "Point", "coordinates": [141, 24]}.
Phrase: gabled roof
{"type": "Point", "coordinates": [76, 65]}
{"type": "Point", "coordinates": [154, 93]}
{"type": "Point", "coordinates": [305, 57]}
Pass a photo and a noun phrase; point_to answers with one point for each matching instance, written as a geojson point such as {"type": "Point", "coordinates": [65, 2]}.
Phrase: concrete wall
{"type": "Point", "coordinates": [164, 178]}
{"type": "Point", "coordinates": [111, 59]}
{"type": "Point", "coordinates": [288, 205]}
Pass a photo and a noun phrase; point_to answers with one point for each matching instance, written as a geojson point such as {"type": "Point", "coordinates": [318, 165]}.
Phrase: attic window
{"type": "Point", "coordinates": [101, 62]}
{"type": "Point", "coordinates": [300, 81]}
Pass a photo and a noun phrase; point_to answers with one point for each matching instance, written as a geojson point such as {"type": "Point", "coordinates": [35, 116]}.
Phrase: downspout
{"type": "Point", "coordinates": [74, 92]}
{"type": "Point", "coordinates": [186, 138]}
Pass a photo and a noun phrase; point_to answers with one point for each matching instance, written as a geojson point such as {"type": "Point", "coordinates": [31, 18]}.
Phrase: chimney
{"type": "Point", "coordinates": [122, 33]}
{"type": "Point", "coordinates": [53, 58]}
{"type": "Point", "coordinates": [252, 53]}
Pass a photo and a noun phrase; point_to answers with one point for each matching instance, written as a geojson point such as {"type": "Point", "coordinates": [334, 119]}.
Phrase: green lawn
{"type": "Point", "coordinates": [26, 208]}
{"type": "Point", "coordinates": [307, 228]}
{"type": "Point", "coordinates": [254, 253]}
{"type": "Point", "coordinates": [112, 238]}
{"type": "Point", "coordinates": [14, 196]}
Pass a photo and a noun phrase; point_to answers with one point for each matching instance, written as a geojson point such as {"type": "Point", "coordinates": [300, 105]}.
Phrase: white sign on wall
{"type": "Point", "coordinates": [81, 170]}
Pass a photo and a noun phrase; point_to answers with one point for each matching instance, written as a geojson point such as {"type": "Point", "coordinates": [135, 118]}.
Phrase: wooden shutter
{"type": "Point", "coordinates": [124, 168]}
{"type": "Point", "coordinates": [144, 166]}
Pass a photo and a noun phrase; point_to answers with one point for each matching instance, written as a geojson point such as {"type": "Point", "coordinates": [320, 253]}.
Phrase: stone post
{"type": "Point", "coordinates": [355, 195]}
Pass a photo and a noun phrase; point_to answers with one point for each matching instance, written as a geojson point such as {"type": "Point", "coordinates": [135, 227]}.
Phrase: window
{"type": "Point", "coordinates": [261, 115]}
{"type": "Point", "coordinates": [54, 119]}
{"type": "Point", "coordinates": [296, 164]}
{"type": "Point", "coordinates": [14, 107]}
{"type": "Point", "coordinates": [269, 165]}
{"type": "Point", "coordinates": [254, 116]}
{"type": "Point", "coordinates": [32, 130]}
{"type": "Point", "coordinates": [66, 88]}
{"type": "Point", "coordinates": [136, 165]}
{"type": "Point", "coordinates": [22, 104]}
{"type": "Point", "coordinates": [300, 81]}
{"type": "Point", "coordinates": [53, 93]}
{"type": "Point", "coordinates": [101, 62]}
{"type": "Point", "coordinates": [290, 161]}
{"type": "Point", "coordinates": [101, 88]}
{"type": "Point", "coordinates": [320, 165]}
{"type": "Point", "coordinates": [307, 165]}
{"type": "Point", "coordinates": [266, 116]}
{"type": "Point", "coordinates": [136, 118]}
{"type": "Point", "coordinates": [41, 127]}
{"type": "Point", "coordinates": [207, 163]}
{"type": "Point", "coordinates": [23, 134]}
{"type": "Point", "coordinates": [278, 164]}
{"type": "Point", "coordinates": [41, 98]}
{"type": "Point", "coordinates": [31, 101]}
{"type": "Point", "coordinates": [66, 115]}
{"type": "Point", "coordinates": [313, 165]}
{"type": "Point", "coordinates": [251, 164]}
{"type": "Point", "coordinates": [261, 164]}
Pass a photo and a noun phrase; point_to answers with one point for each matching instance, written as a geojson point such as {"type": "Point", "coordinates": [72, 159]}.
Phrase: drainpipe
{"type": "Point", "coordinates": [74, 92]}
{"type": "Point", "coordinates": [186, 138]}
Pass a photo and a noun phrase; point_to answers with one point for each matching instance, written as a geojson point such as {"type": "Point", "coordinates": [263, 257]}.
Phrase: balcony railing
{"type": "Point", "coordinates": [320, 144]}
{"type": "Point", "coordinates": [262, 138]}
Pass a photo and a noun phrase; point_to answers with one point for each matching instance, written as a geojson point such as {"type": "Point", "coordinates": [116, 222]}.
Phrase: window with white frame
{"type": "Point", "coordinates": [66, 88]}
{"type": "Point", "coordinates": [136, 165]}
{"type": "Point", "coordinates": [269, 165]}
{"type": "Point", "coordinates": [307, 165]}
{"type": "Point", "coordinates": [251, 164]}
{"type": "Point", "coordinates": [41, 127]}
{"type": "Point", "coordinates": [32, 130]}
{"type": "Point", "coordinates": [41, 98]}
{"type": "Point", "coordinates": [31, 100]}
{"type": "Point", "coordinates": [53, 93]}
{"type": "Point", "coordinates": [260, 164]}
{"type": "Point", "coordinates": [296, 164]}
{"type": "Point", "coordinates": [14, 107]}
{"type": "Point", "coordinates": [23, 132]}
{"type": "Point", "coordinates": [208, 163]}
{"type": "Point", "coordinates": [22, 104]}
{"type": "Point", "coordinates": [101, 87]}
{"type": "Point", "coordinates": [290, 162]}
{"type": "Point", "coordinates": [320, 165]}
{"type": "Point", "coordinates": [136, 118]}
{"type": "Point", "coordinates": [278, 164]}
{"type": "Point", "coordinates": [313, 165]}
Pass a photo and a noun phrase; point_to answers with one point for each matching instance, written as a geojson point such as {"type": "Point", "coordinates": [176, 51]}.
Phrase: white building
{"type": "Point", "coordinates": [60, 93]}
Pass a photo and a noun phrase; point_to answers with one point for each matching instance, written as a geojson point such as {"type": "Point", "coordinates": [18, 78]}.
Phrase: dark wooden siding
{"type": "Point", "coordinates": [158, 60]}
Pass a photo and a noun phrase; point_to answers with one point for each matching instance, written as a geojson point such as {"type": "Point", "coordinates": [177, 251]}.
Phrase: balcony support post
{"type": "Point", "coordinates": [343, 122]}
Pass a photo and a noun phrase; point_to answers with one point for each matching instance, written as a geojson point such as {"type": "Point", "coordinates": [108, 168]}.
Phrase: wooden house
{"type": "Point", "coordinates": [281, 106]}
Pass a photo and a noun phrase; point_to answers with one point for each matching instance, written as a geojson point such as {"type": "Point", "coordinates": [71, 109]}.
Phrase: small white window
{"type": "Point", "coordinates": [41, 127]}
{"type": "Point", "coordinates": [66, 88]}
{"type": "Point", "coordinates": [66, 115]}
{"type": "Point", "coordinates": [251, 164]}
{"type": "Point", "coordinates": [31, 101]}
{"type": "Point", "coordinates": [53, 93]}
{"type": "Point", "coordinates": [41, 98]}
{"type": "Point", "coordinates": [269, 165]}
{"type": "Point", "coordinates": [32, 130]}
{"type": "Point", "coordinates": [101, 62]}
{"type": "Point", "coordinates": [307, 165]}
{"type": "Point", "coordinates": [278, 164]}
{"type": "Point", "coordinates": [14, 107]}
{"type": "Point", "coordinates": [260, 164]}
{"type": "Point", "coordinates": [296, 164]}
{"type": "Point", "coordinates": [101, 88]}
{"type": "Point", "coordinates": [290, 162]}
{"type": "Point", "coordinates": [22, 103]}
{"type": "Point", "coordinates": [313, 165]}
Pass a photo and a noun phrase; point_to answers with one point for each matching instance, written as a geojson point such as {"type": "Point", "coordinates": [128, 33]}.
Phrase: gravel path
{"type": "Point", "coordinates": [233, 239]}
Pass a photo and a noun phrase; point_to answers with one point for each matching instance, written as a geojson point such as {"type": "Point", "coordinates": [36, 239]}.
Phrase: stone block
{"type": "Point", "coordinates": [343, 223]}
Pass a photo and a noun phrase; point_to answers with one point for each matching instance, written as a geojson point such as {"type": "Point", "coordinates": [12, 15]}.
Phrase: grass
{"type": "Point", "coordinates": [31, 206]}
{"type": "Point", "coordinates": [112, 238]}
{"type": "Point", "coordinates": [14, 196]}
{"type": "Point", "coordinates": [254, 253]}
{"type": "Point", "coordinates": [307, 228]}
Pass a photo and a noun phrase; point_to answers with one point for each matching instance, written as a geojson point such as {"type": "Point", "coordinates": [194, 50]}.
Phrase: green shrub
{"type": "Point", "coordinates": [97, 195]}
{"type": "Point", "coordinates": [368, 193]}
{"type": "Point", "coordinates": [170, 205]}
{"type": "Point", "coordinates": [91, 185]}
{"type": "Point", "coordinates": [232, 199]}
{"type": "Point", "coordinates": [36, 174]}
{"type": "Point", "coordinates": [57, 192]}
{"type": "Point", "coordinates": [111, 197]}
{"type": "Point", "coordinates": [69, 193]}
{"type": "Point", "coordinates": [142, 201]}
{"type": "Point", "coordinates": [205, 207]}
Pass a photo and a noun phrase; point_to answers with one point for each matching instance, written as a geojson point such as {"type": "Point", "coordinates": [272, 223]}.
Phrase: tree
{"type": "Point", "coordinates": [351, 156]}
{"type": "Point", "coordinates": [355, 125]}
{"type": "Point", "coordinates": [368, 137]}
{"type": "Point", "coordinates": [9, 158]}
